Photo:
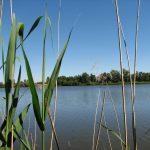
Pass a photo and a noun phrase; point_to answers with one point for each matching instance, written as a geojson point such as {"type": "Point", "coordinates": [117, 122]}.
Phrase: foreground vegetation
{"type": "Point", "coordinates": [12, 128]}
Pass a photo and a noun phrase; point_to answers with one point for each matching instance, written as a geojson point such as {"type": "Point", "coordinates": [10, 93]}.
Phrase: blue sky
{"type": "Point", "coordinates": [93, 47]}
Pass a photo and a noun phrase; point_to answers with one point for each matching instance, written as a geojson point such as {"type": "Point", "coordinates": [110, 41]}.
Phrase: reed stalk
{"type": "Point", "coordinates": [132, 92]}
{"type": "Point", "coordinates": [122, 76]}
{"type": "Point", "coordinates": [54, 116]}
{"type": "Point", "coordinates": [134, 83]}
{"type": "Point", "coordinates": [116, 114]}
{"type": "Point", "coordinates": [100, 122]}
{"type": "Point", "coordinates": [57, 55]}
{"type": "Point", "coordinates": [53, 129]}
{"type": "Point", "coordinates": [97, 104]}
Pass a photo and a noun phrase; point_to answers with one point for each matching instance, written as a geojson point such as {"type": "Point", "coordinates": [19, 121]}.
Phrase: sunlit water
{"type": "Point", "coordinates": [75, 116]}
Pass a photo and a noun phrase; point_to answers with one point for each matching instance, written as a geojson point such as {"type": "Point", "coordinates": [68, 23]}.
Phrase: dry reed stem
{"type": "Point", "coordinates": [122, 76]}
{"type": "Point", "coordinates": [132, 91]}
{"type": "Point", "coordinates": [101, 119]}
{"type": "Point", "coordinates": [55, 108]}
{"type": "Point", "coordinates": [53, 129]}
{"type": "Point", "coordinates": [57, 55]}
{"type": "Point", "coordinates": [109, 140]}
{"type": "Point", "coordinates": [135, 61]}
{"type": "Point", "coordinates": [116, 114]}
{"type": "Point", "coordinates": [97, 104]}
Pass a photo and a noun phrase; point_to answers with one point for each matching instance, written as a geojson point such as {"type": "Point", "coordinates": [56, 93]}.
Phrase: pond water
{"type": "Point", "coordinates": [75, 116]}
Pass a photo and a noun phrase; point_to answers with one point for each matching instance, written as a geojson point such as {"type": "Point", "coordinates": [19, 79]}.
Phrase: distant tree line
{"type": "Point", "coordinates": [112, 77]}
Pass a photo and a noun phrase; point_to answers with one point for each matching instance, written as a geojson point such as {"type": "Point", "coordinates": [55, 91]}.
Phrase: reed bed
{"type": "Point", "coordinates": [10, 128]}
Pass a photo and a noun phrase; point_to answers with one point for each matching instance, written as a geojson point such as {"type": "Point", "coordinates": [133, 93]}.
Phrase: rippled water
{"type": "Point", "coordinates": [75, 116]}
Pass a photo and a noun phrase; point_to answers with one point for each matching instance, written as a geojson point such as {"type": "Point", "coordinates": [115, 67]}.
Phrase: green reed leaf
{"type": "Point", "coordinates": [25, 144]}
{"type": "Point", "coordinates": [35, 99]}
{"type": "Point", "coordinates": [2, 138]}
{"type": "Point", "coordinates": [114, 133]}
{"type": "Point", "coordinates": [52, 82]}
{"type": "Point", "coordinates": [15, 99]}
{"type": "Point", "coordinates": [19, 121]}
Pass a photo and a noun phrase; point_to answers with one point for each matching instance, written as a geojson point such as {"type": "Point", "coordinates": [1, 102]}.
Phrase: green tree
{"type": "Point", "coordinates": [126, 75]}
{"type": "Point", "coordinates": [92, 78]}
{"type": "Point", "coordinates": [115, 76]}
{"type": "Point", "coordinates": [85, 78]}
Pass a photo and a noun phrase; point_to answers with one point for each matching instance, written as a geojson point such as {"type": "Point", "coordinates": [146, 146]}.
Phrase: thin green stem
{"type": "Point", "coordinates": [43, 81]}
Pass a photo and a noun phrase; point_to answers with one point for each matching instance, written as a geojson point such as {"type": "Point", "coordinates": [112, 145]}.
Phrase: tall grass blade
{"type": "Point", "coordinates": [35, 99]}
{"type": "Point", "coordinates": [52, 81]}
{"type": "Point", "coordinates": [3, 125]}
{"type": "Point", "coordinates": [2, 138]}
{"type": "Point", "coordinates": [10, 60]}
{"type": "Point", "coordinates": [9, 72]}
{"type": "Point", "coordinates": [33, 27]}
{"type": "Point", "coordinates": [50, 25]}
{"type": "Point", "coordinates": [25, 143]}
{"type": "Point", "coordinates": [19, 121]}
{"type": "Point", "coordinates": [17, 125]}
{"type": "Point", "coordinates": [14, 100]}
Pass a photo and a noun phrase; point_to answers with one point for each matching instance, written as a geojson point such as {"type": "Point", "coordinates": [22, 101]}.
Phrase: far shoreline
{"type": "Point", "coordinates": [119, 83]}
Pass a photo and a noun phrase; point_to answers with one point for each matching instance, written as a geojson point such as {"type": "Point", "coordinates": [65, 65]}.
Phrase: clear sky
{"type": "Point", "coordinates": [93, 47]}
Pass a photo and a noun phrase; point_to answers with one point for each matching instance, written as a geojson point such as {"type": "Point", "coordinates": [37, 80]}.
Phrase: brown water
{"type": "Point", "coordinates": [75, 116]}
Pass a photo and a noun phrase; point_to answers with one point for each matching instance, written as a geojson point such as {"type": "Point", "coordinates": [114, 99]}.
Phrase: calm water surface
{"type": "Point", "coordinates": [75, 116]}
